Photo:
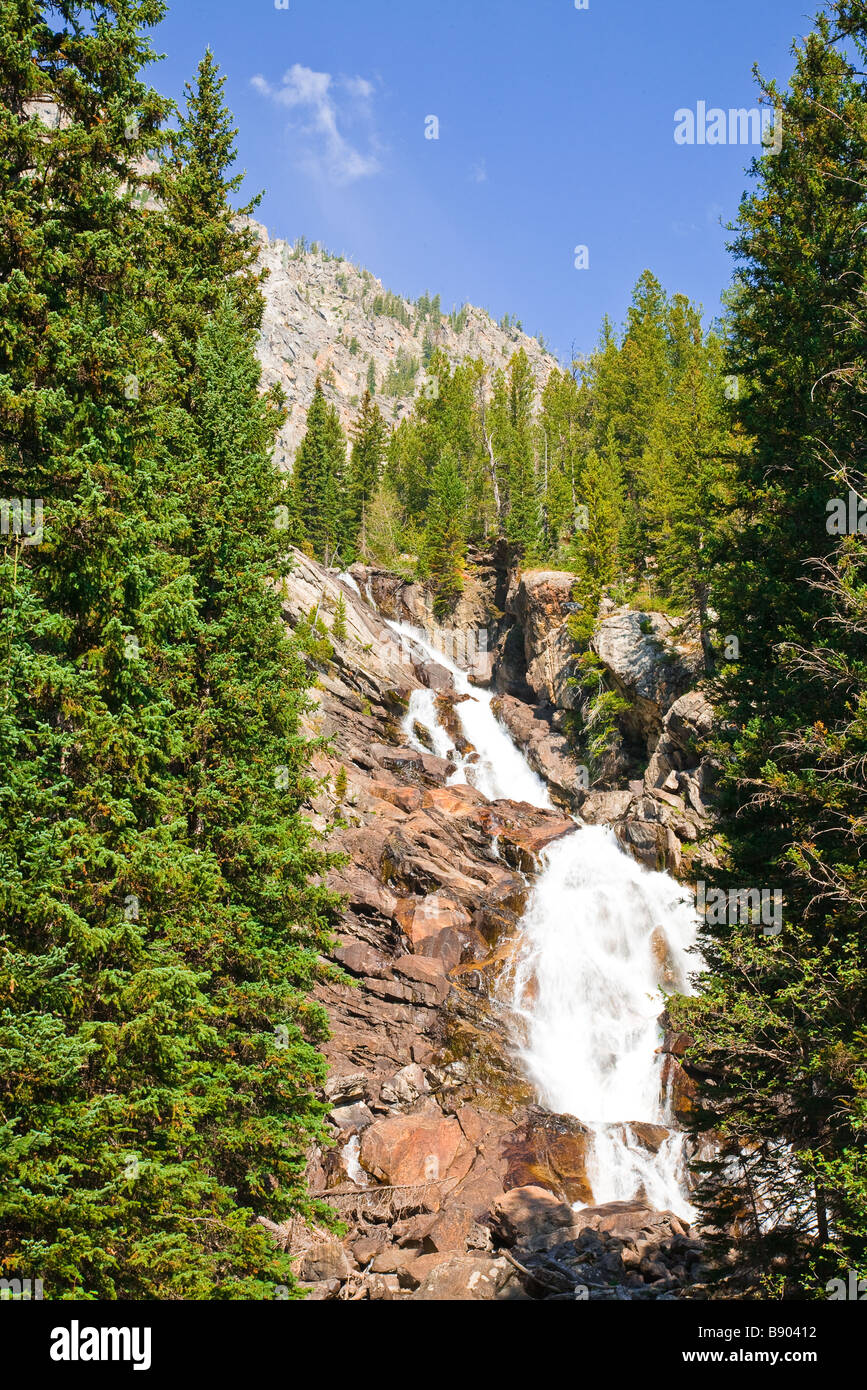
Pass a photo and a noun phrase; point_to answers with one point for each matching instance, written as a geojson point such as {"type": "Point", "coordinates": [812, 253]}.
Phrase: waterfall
{"type": "Point", "coordinates": [497, 768]}
{"type": "Point", "coordinates": [599, 939]}
{"type": "Point", "coordinates": [601, 942]}
{"type": "Point", "coordinates": [347, 579]}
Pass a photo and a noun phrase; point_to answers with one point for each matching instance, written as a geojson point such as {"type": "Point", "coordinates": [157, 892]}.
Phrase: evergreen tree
{"type": "Point", "coordinates": [595, 547]}
{"type": "Point", "coordinates": [338, 627]}
{"type": "Point", "coordinates": [370, 435]}
{"type": "Point", "coordinates": [320, 482]}
{"type": "Point", "coordinates": [387, 535]}
{"type": "Point", "coordinates": [200, 248]}
{"type": "Point", "coordinates": [778, 1027]}
{"type": "Point", "coordinates": [444, 553]}
{"type": "Point", "coordinates": [157, 923]}
{"type": "Point", "coordinates": [524, 522]}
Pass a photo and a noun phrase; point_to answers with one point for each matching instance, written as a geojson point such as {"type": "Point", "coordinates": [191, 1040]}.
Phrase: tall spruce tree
{"type": "Point", "coordinates": [322, 499]}
{"type": "Point", "coordinates": [779, 1024]}
{"type": "Point", "coordinates": [524, 521]}
{"type": "Point", "coordinates": [369, 439]}
{"type": "Point", "coordinates": [157, 924]}
{"type": "Point", "coordinates": [444, 553]}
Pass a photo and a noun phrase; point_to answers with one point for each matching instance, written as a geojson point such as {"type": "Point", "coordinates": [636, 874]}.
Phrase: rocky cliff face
{"type": "Point", "coordinates": [452, 1182]}
{"type": "Point", "coordinates": [662, 816]}
{"type": "Point", "coordinates": [326, 317]}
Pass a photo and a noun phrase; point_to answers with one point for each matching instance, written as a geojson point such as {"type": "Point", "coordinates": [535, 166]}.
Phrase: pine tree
{"type": "Point", "coordinates": [444, 542]}
{"type": "Point", "coordinates": [158, 926]}
{"type": "Point", "coordinates": [338, 626]}
{"type": "Point", "coordinates": [596, 547]}
{"type": "Point", "coordinates": [524, 522]}
{"type": "Point", "coordinates": [370, 434]}
{"type": "Point", "coordinates": [778, 1027]}
{"type": "Point", "coordinates": [320, 483]}
{"type": "Point", "coordinates": [201, 247]}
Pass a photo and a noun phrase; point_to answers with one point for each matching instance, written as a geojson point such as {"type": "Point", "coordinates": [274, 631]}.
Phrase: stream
{"type": "Point", "coordinates": [598, 937]}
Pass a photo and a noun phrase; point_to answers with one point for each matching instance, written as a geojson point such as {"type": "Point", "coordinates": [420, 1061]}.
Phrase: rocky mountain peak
{"type": "Point", "coordinates": [326, 317]}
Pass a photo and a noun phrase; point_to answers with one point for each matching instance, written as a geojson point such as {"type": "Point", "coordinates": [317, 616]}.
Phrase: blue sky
{"type": "Point", "coordinates": [556, 129]}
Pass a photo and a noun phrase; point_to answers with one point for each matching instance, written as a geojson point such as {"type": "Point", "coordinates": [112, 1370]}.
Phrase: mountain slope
{"type": "Point", "coordinates": [326, 317]}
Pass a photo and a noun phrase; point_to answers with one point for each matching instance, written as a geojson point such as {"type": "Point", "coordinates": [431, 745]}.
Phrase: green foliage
{"type": "Point", "coordinates": [779, 1025]}
{"type": "Point", "coordinates": [369, 435]}
{"type": "Point", "coordinates": [401, 375]}
{"type": "Point", "coordinates": [428, 311]}
{"type": "Point", "coordinates": [444, 548]}
{"type": "Point", "coordinates": [391, 306]}
{"type": "Point", "coordinates": [322, 498]}
{"type": "Point", "coordinates": [162, 926]}
{"type": "Point", "coordinates": [338, 627]}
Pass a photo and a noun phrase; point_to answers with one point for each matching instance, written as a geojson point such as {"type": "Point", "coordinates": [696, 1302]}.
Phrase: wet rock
{"type": "Point", "coordinates": [546, 750]}
{"type": "Point", "coordinates": [650, 1137]}
{"type": "Point", "coordinates": [550, 1151]}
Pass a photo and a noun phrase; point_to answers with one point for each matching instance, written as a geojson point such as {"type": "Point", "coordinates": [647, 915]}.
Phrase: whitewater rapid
{"type": "Point", "coordinates": [601, 943]}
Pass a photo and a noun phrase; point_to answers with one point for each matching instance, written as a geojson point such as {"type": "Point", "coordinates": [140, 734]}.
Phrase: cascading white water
{"type": "Point", "coordinates": [600, 936]}
{"type": "Point", "coordinates": [601, 940]}
{"type": "Point", "coordinates": [498, 768]}
{"type": "Point", "coordinates": [350, 583]}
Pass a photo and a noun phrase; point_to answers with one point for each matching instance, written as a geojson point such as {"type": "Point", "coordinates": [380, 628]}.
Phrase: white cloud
{"type": "Point", "coordinates": [479, 172]}
{"type": "Point", "coordinates": [325, 107]}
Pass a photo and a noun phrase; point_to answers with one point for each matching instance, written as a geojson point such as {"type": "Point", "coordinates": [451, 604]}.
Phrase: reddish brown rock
{"type": "Point", "coordinates": [680, 1088]}
{"type": "Point", "coordinates": [416, 1148]}
{"type": "Point", "coordinates": [462, 1278]}
{"type": "Point", "coordinates": [550, 1151]}
{"type": "Point", "coordinates": [524, 1213]}
{"type": "Point", "coordinates": [449, 1231]}
{"type": "Point", "coordinates": [406, 798]}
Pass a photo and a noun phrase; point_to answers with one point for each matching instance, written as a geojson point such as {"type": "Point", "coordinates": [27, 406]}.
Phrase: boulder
{"type": "Point", "coordinates": [631, 1222]}
{"type": "Point", "coordinates": [523, 1214]}
{"type": "Point", "coordinates": [346, 1089]}
{"type": "Point", "coordinates": [419, 1147]}
{"type": "Point", "coordinates": [689, 721]}
{"type": "Point", "coordinates": [451, 1230]}
{"type": "Point", "coordinates": [541, 603]}
{"type": "Point", "coordinates": [326, 1260]}
{"type": "Point", "coordinates": [463, 1278]}
{"type": "Point", "coordinates": [646, 666]}
{"type": "Point", "coordinates": [549, 1151]}
{"type": "Point", "coordinates": [406, 1087]}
